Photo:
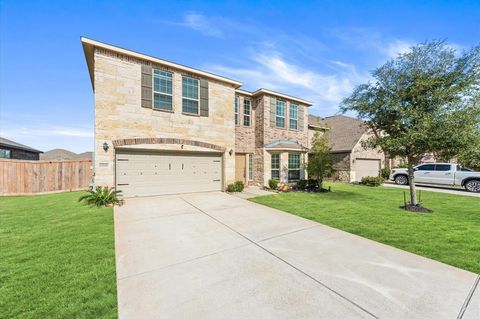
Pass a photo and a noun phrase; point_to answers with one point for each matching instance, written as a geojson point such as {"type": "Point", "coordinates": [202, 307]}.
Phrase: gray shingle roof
{"type": "Point", "coordinates": [344, 133]}
{"type": "Point", "coordinates": [7, 142]}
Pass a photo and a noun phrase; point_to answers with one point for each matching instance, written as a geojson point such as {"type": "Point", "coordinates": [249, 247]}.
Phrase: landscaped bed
{"type": "Point", "coordinates": [451, 234]}
{"type": "Point", "coordinates": [57, 258]}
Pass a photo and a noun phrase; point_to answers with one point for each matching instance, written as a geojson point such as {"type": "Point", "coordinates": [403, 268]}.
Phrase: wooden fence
{"type": "Point", "coordinates": [19, 177]}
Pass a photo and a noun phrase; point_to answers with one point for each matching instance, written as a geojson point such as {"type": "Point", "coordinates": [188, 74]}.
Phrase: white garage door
{"type": "Point", "coordinates": [366, 167]}
{"type": "Point", "coordinates": [147, 174]}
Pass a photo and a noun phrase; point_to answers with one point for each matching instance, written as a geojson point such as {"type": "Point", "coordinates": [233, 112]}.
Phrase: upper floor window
{"type": "Point", "coordinates": [162, 90]}
{"type": "Point", "coordinates": [275, 166]}
{"type": "Point", "coordinates": [246, 112]}
{"type": "Point", "coordinates": [189, 95]}
{"type": "Point", "coordinates": [293, 167]}
{"type": "Point", "coordinates": [236, 110]}
{"type": "Point", "coordinates": [293, 118]}
{"type": "Point", "coordinates": [280, 114]}
{"type": "Point", "coordinates": [5, 153]}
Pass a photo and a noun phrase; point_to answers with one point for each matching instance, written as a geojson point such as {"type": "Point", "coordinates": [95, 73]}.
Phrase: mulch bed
{"type": "Point", "coordinates": [416, 208]}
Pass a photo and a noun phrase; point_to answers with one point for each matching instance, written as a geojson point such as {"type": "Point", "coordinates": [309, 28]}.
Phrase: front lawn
{"type": "Point", "coordinates": [451, 234]}
{"type": "Point", "coordinates": [57, 258]}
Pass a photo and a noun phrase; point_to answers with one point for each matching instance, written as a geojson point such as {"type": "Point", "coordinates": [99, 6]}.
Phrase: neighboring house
{"type": "Point", "coordinates": [13, 150]}
{"type": "Point", "coordinates": [164, 128]}
{"type": "Point", "coordinates": [59, 154]}
{"type": "Point", "coordinates": [346, 134]}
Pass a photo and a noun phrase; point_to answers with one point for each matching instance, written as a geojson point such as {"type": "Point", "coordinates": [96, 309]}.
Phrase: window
{"type": "Point", "coordinates": [162, 90]}
{"type": "Point", "coordinates": [190, 95]}
{"type": "Point", "coordinates": [293, 167]}
{"type": "Point", "coordinates": [442, 167]}
{"type": "Point", "coordinates": [5, 153]}
{"type": "Point", "coordinates": [246, 112]}
{"type": "Point", "coordinates": [293, 116]}
{"type": "Point", "coordinates": [280, 114]}
{"type": "Point", "coordinates": [426, 167]}
{"type": "Point", "coordinates": [250, 167]}
{"type": "Point", "coordinates": [460, 168]}
{"type": "Point", "coordinates": [236, 110]}
{"type": "Point", "coordinates": [276, 166]}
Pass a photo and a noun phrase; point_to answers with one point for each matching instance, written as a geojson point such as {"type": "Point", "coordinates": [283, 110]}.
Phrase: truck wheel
{"type": "Point", "coordinates": [401, 180]}
{"type": "Point", "coordinates": [473, 185]}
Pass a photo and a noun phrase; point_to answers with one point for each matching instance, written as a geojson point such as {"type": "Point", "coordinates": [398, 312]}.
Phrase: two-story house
{"type": "Point", "coordinates": [165, 128]}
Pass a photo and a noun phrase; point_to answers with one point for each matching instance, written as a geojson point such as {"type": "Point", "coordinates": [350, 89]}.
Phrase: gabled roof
{"type": "Point", "coordinates": [18, 146]}
{"type": "Point", "coordinates": [269, 92]}
{"type": "Point", "coordinates": [89, 45]}
{"type": "Point", "coordinates": [344, 131]}
{"type": "Point", "coordinates": [285, 145]}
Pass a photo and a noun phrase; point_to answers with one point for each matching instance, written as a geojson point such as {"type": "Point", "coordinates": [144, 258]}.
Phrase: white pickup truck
{"type": "Point", "coordinates": [445, 174]}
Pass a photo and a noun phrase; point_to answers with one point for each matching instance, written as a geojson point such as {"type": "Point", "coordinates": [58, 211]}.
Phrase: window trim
{"type": "Point", "coordinates": [290, 119]}
{"type": "Point", "coordinates": [247, 116]}
{"type": "Point", "coordinates": [191, 99]}
{"type": "Point", "coordinates": [279, 116]}
{"type": "Point", "coordinates": [250, 167]}
{"type": "Point", "coordinates": [161, 93]}
{"type": "Point", "coordinates": [275, 169]}
{"type": "Point", "coordinates": [294, 169]}
{"type": "Point", "coordinates": [236, 110]}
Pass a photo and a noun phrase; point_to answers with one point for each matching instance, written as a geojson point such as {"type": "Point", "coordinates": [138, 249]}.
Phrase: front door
{"type": "Point", "coordinates": [240, 167]}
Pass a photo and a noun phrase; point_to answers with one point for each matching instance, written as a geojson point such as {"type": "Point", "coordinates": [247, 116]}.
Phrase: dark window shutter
{"type": "Point", "coordinates": [273, 111]}
{"type": "Point", "coordinates": [147, 86]}
{"type": "Point", "coordinates": [203, 97]}
{"type": "Point", "coordinates": [300, 115]}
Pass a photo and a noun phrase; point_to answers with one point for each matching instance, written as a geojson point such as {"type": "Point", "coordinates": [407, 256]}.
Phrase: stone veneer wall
{"type": "Point", "coordinates": [118, 114]}
{"type": "Point", "coordinates": [360, 152]}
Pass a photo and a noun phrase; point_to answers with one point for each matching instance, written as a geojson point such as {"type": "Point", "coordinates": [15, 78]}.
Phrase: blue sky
{"type": "Point", "coordinates": [315, 50]}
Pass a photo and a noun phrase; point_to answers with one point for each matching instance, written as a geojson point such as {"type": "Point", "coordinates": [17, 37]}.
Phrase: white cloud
{"type": "Point", "coordinates": [396, 47]}
{"type": "Point", "coordinates": [202, 24]}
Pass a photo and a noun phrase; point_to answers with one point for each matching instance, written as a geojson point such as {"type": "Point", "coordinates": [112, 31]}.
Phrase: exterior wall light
{"type": "Point", "coordinates": [105, 146]}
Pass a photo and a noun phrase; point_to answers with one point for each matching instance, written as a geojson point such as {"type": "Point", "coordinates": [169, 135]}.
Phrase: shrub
{"type": "Point", "coordinates": [313, 185]}
{"type": "Point", "coordinates": [301, 185]}
{"type": "Point", "coordinates": [372, 181]}
{"type": "Point", "coordinates": [273, 183]}
{"type": "Point", "coordinates": [385, 173]}
{"type": "Point", "coordinates": [237, 186]}
{"type": "Point", "coordinates": [101, 196]}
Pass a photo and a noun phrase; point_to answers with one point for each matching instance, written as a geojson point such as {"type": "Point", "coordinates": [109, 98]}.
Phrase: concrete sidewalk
{"type": "Point", "coordinates": [213, 255]}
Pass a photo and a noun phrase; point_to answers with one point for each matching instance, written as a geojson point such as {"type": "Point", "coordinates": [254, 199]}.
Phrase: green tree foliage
{"type": "Point", "coordinates": [470, 157]}
{"type": "Point", "coordinates": [424, 101]}
{"type": "Point", "coordinates": [320, 163]}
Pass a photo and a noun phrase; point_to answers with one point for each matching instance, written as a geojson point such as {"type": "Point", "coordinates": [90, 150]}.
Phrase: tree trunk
{"type": "Point", "coordinates": [411, 183]}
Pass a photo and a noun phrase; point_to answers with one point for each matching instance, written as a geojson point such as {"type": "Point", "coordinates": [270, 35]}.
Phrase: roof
{"type": "Point", "coordinates": [285, 145]}
{"type": "Point", "coordinates": [89, 45]}
{"type": "Point", "coordinates": [18, 146]}
{"type": "Point", "coordinates": [269, 92]}
{"type": "Point", "coordinates": [59, 154]}
{"type": "Point", "coordinates": [345, 131]}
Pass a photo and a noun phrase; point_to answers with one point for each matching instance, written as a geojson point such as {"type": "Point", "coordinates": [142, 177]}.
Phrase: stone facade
{"type": "Point", "coordinates": [360, 152]}
{"type": "Point", "coordinates": [119, 115]}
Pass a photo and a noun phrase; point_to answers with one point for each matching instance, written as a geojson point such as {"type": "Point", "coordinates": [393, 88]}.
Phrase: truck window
{"type": "Point", "coordinates": [426, 167]}
{"type": "Point", "coordinates": [442, 167]}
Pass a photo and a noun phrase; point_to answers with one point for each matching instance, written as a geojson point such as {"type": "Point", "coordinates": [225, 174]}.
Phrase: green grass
{"type": "Point", "coordinates": [451, 234]}
{"type": "Point", "coordinates": [57, 258]}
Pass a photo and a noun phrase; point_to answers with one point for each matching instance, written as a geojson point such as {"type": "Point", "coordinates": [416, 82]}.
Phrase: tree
{"type": "Point", "coordinates": [424, 101]}
{"type": "Point", "coordinates": [470, 157]}
{"type": "Point", "coordinates": [320, 163]}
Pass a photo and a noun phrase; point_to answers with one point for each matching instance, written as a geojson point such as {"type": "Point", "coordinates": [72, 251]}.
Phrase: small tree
{"type": "Point", "coordinates": [424, 101]}
{"type": "Point", "coordinates": [320, 163]}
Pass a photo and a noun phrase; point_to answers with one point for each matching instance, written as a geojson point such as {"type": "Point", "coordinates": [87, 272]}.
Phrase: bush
{"type": "Point", "coordinates": [372, 181]}
{"type": "Point", "coordinates": [301, 185]}
{"type": "Point", "coordinates": [385, 173]}
{"type": "Point", "coordinates": [273, 183]}
{"type": "Point", "coordinates": [237, 186]}
{"type": "Point", "coordinates": [313, 185]}
{"type": "Point", "coordinates": [101, 196]}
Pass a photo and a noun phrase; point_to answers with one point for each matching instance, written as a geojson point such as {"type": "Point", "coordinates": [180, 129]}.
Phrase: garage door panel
{"type": "Point", "coordinates": [366, 167]}
{"type": "Point", "coordinates": [146, 174]}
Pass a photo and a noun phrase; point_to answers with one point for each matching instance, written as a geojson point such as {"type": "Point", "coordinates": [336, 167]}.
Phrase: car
{"type": "Point", "coordinates": [443, 174]}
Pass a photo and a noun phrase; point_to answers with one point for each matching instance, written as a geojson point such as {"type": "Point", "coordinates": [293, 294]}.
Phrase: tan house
{"type": "Point", "coordinates": [346, 134]}
{"type": "Point", "coordinates": [164, 128]}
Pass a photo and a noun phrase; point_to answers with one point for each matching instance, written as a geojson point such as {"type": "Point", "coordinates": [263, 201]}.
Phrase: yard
{"type": "Point", "coordinates": [451, 234]}
{"type": "Point", "coordinates": [57, 258]}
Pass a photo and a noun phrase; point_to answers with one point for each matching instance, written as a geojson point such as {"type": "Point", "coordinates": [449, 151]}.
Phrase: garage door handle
{"type": "Point", "coordinates": [216, 180]}
{"type": "Point", "coordinates": [123, 184]}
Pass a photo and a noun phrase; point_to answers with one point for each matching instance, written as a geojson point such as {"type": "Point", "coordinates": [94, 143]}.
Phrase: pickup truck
{"type": "Point", "coordinates": [444, 174]}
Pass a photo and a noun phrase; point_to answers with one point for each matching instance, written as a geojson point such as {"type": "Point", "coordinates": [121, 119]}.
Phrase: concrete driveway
{"type": "Point", "coordinates": [213, 255]}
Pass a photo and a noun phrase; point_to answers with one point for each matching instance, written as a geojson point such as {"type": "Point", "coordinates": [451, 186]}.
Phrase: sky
{"type": "Point", "coordinates": [315, 50]}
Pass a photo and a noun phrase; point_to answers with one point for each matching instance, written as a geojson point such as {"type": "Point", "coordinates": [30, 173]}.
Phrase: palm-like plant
{"type": "Point", "coordinates": [101, 196]}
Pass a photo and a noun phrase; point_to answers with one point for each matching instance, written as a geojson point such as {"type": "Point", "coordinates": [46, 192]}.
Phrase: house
{"type": "Point", "coordinates": [13, 150]}
{"type": "Point", "coordinates": [165, 128]}
{"type": "Point", "coordinates": [346, 134]}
